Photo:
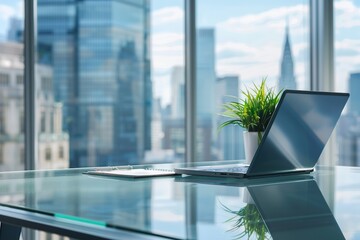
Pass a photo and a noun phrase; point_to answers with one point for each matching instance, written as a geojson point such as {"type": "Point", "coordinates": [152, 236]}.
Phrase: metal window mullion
{"type": "Point", "coordinates": [190, 80]}
{"type": "Point", "coordinates": [29, 85]}
{"type": "Point", "coordinates": [322, 60]}
{"type": "Point", "coordinates": [321, 45]}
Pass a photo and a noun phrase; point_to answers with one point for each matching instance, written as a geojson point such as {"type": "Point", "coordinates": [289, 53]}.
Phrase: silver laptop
{"type": "Point", "coordinates": [294, 139]}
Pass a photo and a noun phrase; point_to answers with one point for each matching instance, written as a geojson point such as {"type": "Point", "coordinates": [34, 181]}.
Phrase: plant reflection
{"type": "Point", "coordinates": [249, 220]}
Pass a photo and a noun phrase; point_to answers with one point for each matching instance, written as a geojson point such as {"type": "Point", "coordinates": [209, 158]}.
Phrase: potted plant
{"type": "Point", "coordinates": [253, 113]}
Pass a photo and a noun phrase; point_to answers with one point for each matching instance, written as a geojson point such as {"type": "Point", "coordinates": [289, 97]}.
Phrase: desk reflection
{"type": "Point", "coordinates": [277, 208]}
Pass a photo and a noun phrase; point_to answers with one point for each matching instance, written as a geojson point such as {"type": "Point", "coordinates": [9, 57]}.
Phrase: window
{"type": "Point", "coordinates": [43, 122]}
{"type": "Point", "coordinates": [48, 154]}
{"type": "Point", "coordinates": [11, 94]}
{"type": "Point", "coordinates": [121, 96]}
{"type": "Point", "coordinates": [61, 152]}
{"type": "Point", "coordinates": [4, 79]}
{"type": "Point", "coordinates": [347, 79]}
{"type": "Point", "coordinates": [238, 46]}
{"type": "Point", "coordinates": [46, 84]}
{"type": "Point", "coordinates": [19, 80]}
{"type": "Point", "coordinates": [2, 120]}
{"type": "Point", "coordinates": [22, 156]}
{"type": "Point", "coordinates": [22, 122]}
{"type": "Point", "coordinates": [110, 75]}
{"type": "Point", "coordinates": [1, 154]}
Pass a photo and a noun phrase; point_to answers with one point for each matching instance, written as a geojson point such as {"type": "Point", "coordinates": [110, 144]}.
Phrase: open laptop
{"type": "Point", "coordinates": [293, 140]}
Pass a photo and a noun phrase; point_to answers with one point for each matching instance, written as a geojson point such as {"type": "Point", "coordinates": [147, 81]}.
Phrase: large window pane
{"type": "Point", "coordinates": [238, 44]}
{"type": "Point", "coordinates": [105, 70]}
{"type": "Point", "coordinates": [347, 79]}
{"type": "Point", "coordinates": [11, 86]}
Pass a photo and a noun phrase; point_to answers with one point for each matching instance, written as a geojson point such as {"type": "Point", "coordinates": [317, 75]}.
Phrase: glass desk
{"type": "Point", "coordinates": [322, 205]}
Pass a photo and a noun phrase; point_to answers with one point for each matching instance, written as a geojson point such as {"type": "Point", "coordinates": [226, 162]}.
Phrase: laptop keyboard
{"type": "Point", "coordinates": [242, 169]}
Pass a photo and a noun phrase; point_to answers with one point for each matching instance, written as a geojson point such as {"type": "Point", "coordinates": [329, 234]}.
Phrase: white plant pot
{"type": "Point", "coordinates": [251, 144]}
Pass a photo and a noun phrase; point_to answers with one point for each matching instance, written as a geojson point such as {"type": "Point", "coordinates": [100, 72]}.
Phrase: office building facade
{"type": "Point", "coordinates": [53, 142]}
{"type": "Point", "coordinates": [230, 139]}
{"type": "Point", "coordinates": [354, 90]}
{"type": "Point", "coordinates": [205, 73]}
{"type": "Point", "coordinates": [99, 52]}
{"type": "Point", "coordinates": [348, 130]}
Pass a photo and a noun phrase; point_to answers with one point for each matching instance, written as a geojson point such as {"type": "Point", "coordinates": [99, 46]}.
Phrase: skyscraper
{"type": "Point", "coordinates": [348, 130]}
{"type": "Point", "coordinates": [354, 89]}
{"type": "Point", "coordinates": [205, 88]}
{"type": "Point", "coordinates": [178, 92]}
{"type": "Point", "coordinates": [231, 143]}
{"type": "Point", "coordinates": [16, 30]}
{"type": "Point", "coordinates": [99, 51]}
{"type": "Point", "coordinates": [205, 70]}
{"type": "Point", "coordinates": [287, 77]}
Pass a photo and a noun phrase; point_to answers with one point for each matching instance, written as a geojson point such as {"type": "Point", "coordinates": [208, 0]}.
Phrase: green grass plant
{"type": "Point", "coordinates": [254, 111]}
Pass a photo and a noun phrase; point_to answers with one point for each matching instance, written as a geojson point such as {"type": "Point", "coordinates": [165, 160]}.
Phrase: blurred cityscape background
{"type": "Point", "coordinates": [110, 79]}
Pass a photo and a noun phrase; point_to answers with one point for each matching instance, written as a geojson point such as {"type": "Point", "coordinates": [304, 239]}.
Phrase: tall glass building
{"type": "Point", "coordinates": [99, 52]}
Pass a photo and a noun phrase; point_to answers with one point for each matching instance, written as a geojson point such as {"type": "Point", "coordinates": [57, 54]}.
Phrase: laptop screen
{"type": "Point", "coordinates": [298, 131]}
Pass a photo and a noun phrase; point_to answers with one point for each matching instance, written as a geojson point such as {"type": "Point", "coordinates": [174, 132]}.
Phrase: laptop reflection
{"type": "Point", "coordinates": [295, 210]}
{"type": "Point", "coordinates": [292, 207]}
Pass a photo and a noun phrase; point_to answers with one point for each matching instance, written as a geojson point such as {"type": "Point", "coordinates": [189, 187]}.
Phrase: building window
{"type": "Point", "coordinates": [4, 79]}
{"type": "Point", "coordinates": [43, 122]}
{"type": "Point", "coordinates": [22, 156]}
{"type": "Point", "coordinates": [19, 79]}
{"type": "Point", "coordinates": [48, 154]}
{"type": "Point", "coordinates": [1, 154]}
{"type": "Point", "coordinates": [61, 152]}
{"type": "Point", "coordinates": [2, 121]}
{"type": "Point", "coordinates": [22, 122]}
{"type": "Point", "coordinates": [46, 84]}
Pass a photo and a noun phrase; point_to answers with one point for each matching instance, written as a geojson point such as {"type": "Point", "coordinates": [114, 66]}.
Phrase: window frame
{"type": "Point", "coordinates": [321, 69]}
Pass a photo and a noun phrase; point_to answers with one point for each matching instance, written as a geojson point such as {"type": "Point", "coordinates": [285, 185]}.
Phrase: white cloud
{"type": "Point", "coordinates": [236, 47]}
{"type": "Point", "coordinates": [248, 61]}
{"type": "Point", "coordinates": [6, 12]}
{"type": "Point", "coordinates": [298, 47]}
{"type": "Point", "coordinates": [167, 50]}
{"type": "Point", "coordinates": [348, 44]}
{"type": "Point", "coordinates": [158, 39]}
{"type": "Point", "coordinates": [347, 15]}
{"type": "Point", "coordinates": [20, 9]}
{"type": "Point", "coordinates": [269, 20]}
{"type": "Point", "coordinates": [167, 15]}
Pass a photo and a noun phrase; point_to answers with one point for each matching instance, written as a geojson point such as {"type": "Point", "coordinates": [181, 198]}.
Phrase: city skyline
{"type": "Point", "coordinates": [135, 70]}
{"type": "Point", "coordinates": [169, 15]}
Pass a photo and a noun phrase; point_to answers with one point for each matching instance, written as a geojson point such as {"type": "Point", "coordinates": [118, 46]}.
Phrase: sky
{"type": "Point", "coordinates": [249, 37]}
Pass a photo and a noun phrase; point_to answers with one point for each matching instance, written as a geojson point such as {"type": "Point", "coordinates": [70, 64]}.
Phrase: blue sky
{"type": "Point", "coordinates": [250, 37]}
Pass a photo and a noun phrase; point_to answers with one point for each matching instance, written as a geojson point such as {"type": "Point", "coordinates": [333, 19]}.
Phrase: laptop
{"type": "Point", "coordinates": [293, 140]}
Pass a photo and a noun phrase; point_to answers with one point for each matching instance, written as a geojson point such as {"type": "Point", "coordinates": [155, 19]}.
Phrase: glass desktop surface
{"type": "Point", "coordinates": [184, 207]}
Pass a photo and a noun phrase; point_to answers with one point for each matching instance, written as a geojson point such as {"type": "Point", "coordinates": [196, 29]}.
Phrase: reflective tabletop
{"type": "Point", "coordinates": [322, 205]}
